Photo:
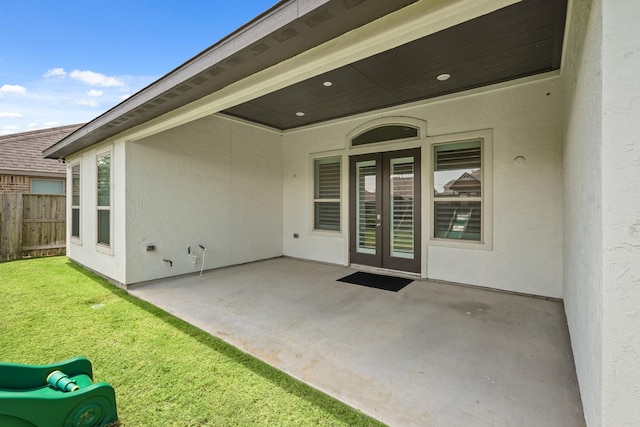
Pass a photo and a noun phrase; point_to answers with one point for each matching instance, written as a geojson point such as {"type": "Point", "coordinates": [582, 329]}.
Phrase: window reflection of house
{"type": "Point", "coordinates": [460, 219]}
{"type": "Point", "coordinates": [467, 185]}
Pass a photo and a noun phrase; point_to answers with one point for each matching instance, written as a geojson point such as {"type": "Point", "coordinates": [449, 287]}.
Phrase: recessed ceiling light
{"type": "Point", "coordinates": [327, 83]}
{"type": "Point", "coordinates": [443, 77]}
{"type": "Point", "coordinates": [300, 114]}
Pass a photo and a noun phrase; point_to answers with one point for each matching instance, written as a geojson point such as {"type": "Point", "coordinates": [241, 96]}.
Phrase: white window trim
{"type": "Point", "coordinates": [74, 239]}
{"type": "Point", "coordinates": [486, 136]}
{"type": "Point", "coordinates": [101, 247]}
{"type": "Point", "coordinates": [343, 169]}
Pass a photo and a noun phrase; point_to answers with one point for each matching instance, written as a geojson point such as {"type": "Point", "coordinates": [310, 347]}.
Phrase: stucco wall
{"type": "Point", "coordinates": [621, 212]}
{"type": "Point", "coordinates": [583, 201]}
{"type": "Point", "coordinates": [213, 182]}
{"type": "Point", "coordinates": [84, 251]}
{"type": "Point", "coordinates": [602, 219]}
{"type": "Point", "coordinates": [527, 199]}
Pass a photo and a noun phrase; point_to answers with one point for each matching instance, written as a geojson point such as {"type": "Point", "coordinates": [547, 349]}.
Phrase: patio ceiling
{"type": "Point", "coordinates": [517, 41]}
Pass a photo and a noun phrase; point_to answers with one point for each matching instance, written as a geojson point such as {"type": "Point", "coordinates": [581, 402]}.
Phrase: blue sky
{"type": "Point", "coordinates": [66, 62]}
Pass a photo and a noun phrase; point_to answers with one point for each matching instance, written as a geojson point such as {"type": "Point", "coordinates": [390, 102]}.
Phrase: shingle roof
{"type": "Point", "coordinates": [22, 152]}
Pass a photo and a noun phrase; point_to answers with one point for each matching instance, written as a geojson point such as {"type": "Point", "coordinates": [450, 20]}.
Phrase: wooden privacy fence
{"type": "Point", "coordinates": [31, 225]}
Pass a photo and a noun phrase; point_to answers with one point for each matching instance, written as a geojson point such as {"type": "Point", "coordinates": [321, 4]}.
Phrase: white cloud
{"type": "Point", "coordinates": [87, 102]}
{"type": "Point", "coordinates": [95, 79]}
{"type": "Point", "coordinates": [125, 96]}
{"type": "Point", "coordinates": [11, 115]}
{"type": "Point", "coordinates": [56, 72]}
{"type": "Point", "coordinates": [6, 130]}
{"type": "Point", "coordinates": [9, 127]}
{"type": "Point", "coordinates": [15, 89]}
{"type": "Point", "coordinates": [56, 99]}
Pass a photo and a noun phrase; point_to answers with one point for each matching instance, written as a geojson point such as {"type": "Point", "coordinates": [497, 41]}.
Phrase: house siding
{"type": "Point", "coordinates": [526, 120]}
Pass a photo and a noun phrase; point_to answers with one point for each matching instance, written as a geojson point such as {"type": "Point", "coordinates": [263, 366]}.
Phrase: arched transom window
{"type": "Point", "coordinates": [385, 132]}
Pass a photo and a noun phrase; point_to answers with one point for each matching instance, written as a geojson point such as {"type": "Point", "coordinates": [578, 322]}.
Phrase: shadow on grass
{"type": "Point", "coordinates": [280, 379]}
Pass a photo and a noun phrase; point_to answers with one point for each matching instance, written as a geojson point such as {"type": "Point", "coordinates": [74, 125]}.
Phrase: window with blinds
{"type": "Point", "coordinates": [366, 207]}
{"type": "Point", "coordinates": [75, 201]}
{"type": "Point", "coordinates": [326, 197]}
{"type": "Point", "coordinates": [457, 192]}
{"type": "Point", "coordinates": [402, 207]}
{"type": "Point", "coordinates": [104, 199]}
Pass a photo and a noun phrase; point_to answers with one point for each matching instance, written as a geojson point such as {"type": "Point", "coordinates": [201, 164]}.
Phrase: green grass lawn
{"type": "Point", "coordinates": [165, 372]}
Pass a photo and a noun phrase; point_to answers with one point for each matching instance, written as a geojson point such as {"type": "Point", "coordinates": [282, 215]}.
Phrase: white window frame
{"type": "Point", "coordinates": [486, 138]}
{"type": "Point", "coordinates": [102, 247]}
{"type": "Point", "coordinates": [313, 159]}
{"type": "Point", "coordinates": [75, 239]}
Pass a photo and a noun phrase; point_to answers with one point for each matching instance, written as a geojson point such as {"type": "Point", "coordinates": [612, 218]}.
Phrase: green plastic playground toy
{"type": "Point", "coordinates": [58, 395]}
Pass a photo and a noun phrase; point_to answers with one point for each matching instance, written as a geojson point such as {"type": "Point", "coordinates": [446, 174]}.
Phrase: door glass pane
{"type": "Point", "coordinates": [366, 207]}
{"type": "Point", "coordinates": [457, 170]}
{"type": "Point", "coordinates": [402, 207]}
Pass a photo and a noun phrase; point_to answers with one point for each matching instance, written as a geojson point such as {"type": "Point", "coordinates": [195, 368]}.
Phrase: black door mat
{"type": "Point", "coordinates": [378, 281]}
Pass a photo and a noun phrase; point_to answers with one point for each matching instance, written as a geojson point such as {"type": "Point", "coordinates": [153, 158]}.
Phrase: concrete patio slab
{"type": "Point", "coordinates": [432, 354]}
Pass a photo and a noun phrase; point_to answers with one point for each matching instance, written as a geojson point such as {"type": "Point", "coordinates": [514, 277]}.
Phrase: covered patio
{"type": "Point", "coordinates": [432, 354]}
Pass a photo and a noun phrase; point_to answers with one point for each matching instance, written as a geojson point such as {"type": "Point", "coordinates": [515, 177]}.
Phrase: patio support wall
{"type": "Point", "coordinates": [621, 211]}
{"type": "Point", "coordinates": [583, 204]}
{"type": "Point", "coordinates": [602, 223]}
{"type": "Point", "coordinates": [213, 182]}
